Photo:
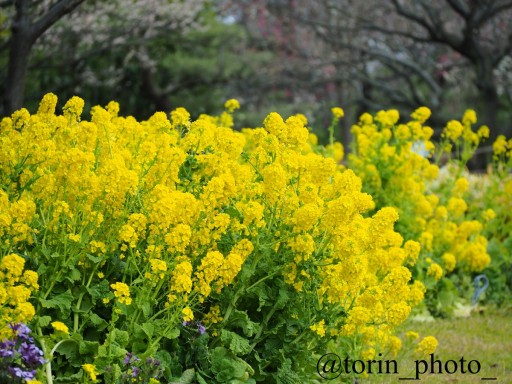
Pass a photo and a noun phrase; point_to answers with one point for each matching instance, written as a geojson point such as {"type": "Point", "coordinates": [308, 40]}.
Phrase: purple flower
{"type": "Point", "coordinates": [22, 331]}
{"type": "Point", "coordinates": [201, 328]}
{"type": "Point", "coordinates": [31, 354]}
{"type": "Point", "coordinates": [18, 372]}
{"type": "Point", "coordinates": [184, 323]}
{"type": "Point", "coordinates": [128, 358]}
{"type": "Point", "coordinates": [7, 348]}
{"type": "Point", "coordinates": [135, 372]}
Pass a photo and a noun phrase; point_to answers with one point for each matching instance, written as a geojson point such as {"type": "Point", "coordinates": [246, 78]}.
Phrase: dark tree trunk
{"type": "Point", "coordinates": [24, 33]}
{"type": "Point", "coordinates": [487, 108]}
{"type": "Point", "coordinates": [488, 101]}
{"type": "Point", "coordinates": [19, 51]}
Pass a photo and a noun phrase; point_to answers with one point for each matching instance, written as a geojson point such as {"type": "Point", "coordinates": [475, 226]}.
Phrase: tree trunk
{"type": "Point", "coordinates": [16, 73]}
{"type": "Point", "coordinates": [488, 99]}
{"type": "Point", "coordinates": [24, 32]}
{"type": "Point", "coordinates": [487, 107]}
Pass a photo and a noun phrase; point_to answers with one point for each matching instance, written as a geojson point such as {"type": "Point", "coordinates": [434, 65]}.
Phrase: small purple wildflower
{"type": "Point", "coordinates": [22, 331]}
{"type": "Point", "coordinates": [7, 348]}
{"type": "Point", "coordinates": [19, 356]}
{"type": "Point", "coordinates": [18, 372]}
{"type": "Point", "coordinates": [201, 328]}
{"type": "Point", "coordinates": [31, 354]}
{"type": "Point", "coordinates": [135, 372]}
{"type": "Point", "coordinates": [128, 358]}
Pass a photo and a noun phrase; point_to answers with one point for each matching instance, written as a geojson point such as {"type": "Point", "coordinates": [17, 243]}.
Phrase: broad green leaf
{"type": "Point", "coordinates": [241, 319]}
{"type": "Point", "coordinates": [88, 347]}
{"type": "Point", "coordinates": [98, 322]}
{"type": "Point", "coordinates": [120, 337]}
{"type": "Point", "coordinates": [172, 334]}
{"type": "Point", "coordinates": [148, 329]}
{"type": "Point", "coordinates": [73, 275]}
{"type": "Point", "coordinates": [62, 302]}
{"type": "Point", "coordinates": [237, 344]}
{"type": "Point", "coordinates": [43, 321]}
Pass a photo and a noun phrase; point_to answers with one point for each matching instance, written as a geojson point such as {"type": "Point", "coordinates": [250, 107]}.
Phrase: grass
{"type": "Point", "coordinates": [485, 336]}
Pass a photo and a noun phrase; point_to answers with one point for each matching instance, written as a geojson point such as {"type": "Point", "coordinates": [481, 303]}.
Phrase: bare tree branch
{"type": "Point", "coordinates": [460, 7]}
{"type": "Point", "coordinates": [6, 3]}
{"type": "Point", "coordinates": [57, 11]}
{"type": "Point", "coordinates": [392, 32]}
{"type": "Point", "coordinates": [402, 11]}
{"type": "Point", "coordinates": [487, 11]}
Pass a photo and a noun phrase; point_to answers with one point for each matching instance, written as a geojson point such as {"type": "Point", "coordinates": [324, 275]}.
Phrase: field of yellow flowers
{"type": "Point", "coordinates": [172, 250]}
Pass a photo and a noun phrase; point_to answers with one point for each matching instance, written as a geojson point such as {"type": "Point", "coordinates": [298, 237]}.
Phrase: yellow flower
{"type": "Point", "coordinates": [395, 344]}
{"type": "Point", "coordinates": [60, 327]}
{"type": "Point", "coordinates": [74, 237]}
{"type": "Point", "coordinates": [421, 114]}
{"type": "Point", "coordinates": [483, 132]}
{"type": "Point", "coordinates": [74, 107]}
{"type": "Point", "coordinates": [337, 112]}
{"type": "Point", "coordinates": [231, 105]}
{"type": "Point", "coordinates": [412, 335]}
{"type": "Point", "coordinates": [435, 270]}
{"type": "Point", "coordinates": [91, 371]}
{"type": "Point", "coordinates": [500, 145]}
{"type": "Point", "coordinates": [47, 104]}
{"type": "Point", "coordinates": [453, 130]}
{"type": "Point", "coordinates": [187, 313]}
{"type": "Point", "coordinates": [122, 292]}
{"type": "Point", "coordinates": [427, 345]}
{"type": "Point", "coordinates": [319, 328]}
{"type": "Point", "coordinates": [449, 261]}
{"type": "Point", "coordinates": [488, 214]}
{"type": "Point", "coordinates": [469, 117]}
{"type": "Point", "coordinates": [180, 116]}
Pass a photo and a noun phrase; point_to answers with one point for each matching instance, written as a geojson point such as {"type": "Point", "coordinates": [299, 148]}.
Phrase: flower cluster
{"type": "Point", "coordinates": [16, 286]}
{"type": "Point", "coordinates": [19, 356]}
{"type": "Point", "coordinates": [400, 167]}
{"type": "Point", "coordinates": [141, 226]}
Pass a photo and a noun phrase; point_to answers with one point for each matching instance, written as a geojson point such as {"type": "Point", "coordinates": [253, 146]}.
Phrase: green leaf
{"type": "Point", "coordinates": [260, 291]}
{"type": "Point", "coordinates": [200, 380]}
{"type": "Point", "coordinates": [282, 299]}
{"type": "Point", "coordinates": [69, 348]}
{"type": "Point", "coordinates": [187, 377]}
{"type": "Point", "coordinates": [74, 275]}
{"type": "Point", "coordinates": [285, 374]}
{"type": "Point", "coordinates": [120, 337]}
{"type": "Point", "coordinates": [43, 321]}
{"type": "Point", "coordinates": [172, 334]}
{"type": "Point", "coordinates": [227, 366]}
{"type": "Point", "coordinates": [62, 302]}
{"type": "Point", "coordinates": [148, 329]}
{"type": "Point", "coordinates": [99, 291]}
{"type": "Point", "coordinates": [237, 344]}
{"type": "Point", "coordinates": [88, 347]}
{"type": "Point", "coordinates": [241, 319]}
{"type": "Point", "coordinates": [113, 375]}
{"type": "Point", "coordinates": [98, 322]}
{"type": "Point", "coordinates": [94, 259]}
{"type": "Point", "coordinates": [73, 379]}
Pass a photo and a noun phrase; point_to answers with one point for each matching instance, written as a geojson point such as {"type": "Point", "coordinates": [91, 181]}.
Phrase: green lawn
{"type": "Point", "coordinates": [486, 336]}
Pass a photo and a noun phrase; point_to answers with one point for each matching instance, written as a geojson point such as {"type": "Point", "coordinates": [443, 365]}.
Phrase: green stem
{"type": "Point", "coordinates": [79, 302]}
{"type": "Point", "coordinates": [48, 364]}
{"type": "Point", "coordinates": [264, 325]}
{"type": "Point", "coordinates": [263, 279]}
{"type": "Point", "coordinates": [52, 284]}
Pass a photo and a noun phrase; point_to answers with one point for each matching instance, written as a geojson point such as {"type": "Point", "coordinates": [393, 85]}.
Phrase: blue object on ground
{"type": "Point", "coordinates": [479, 288]}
